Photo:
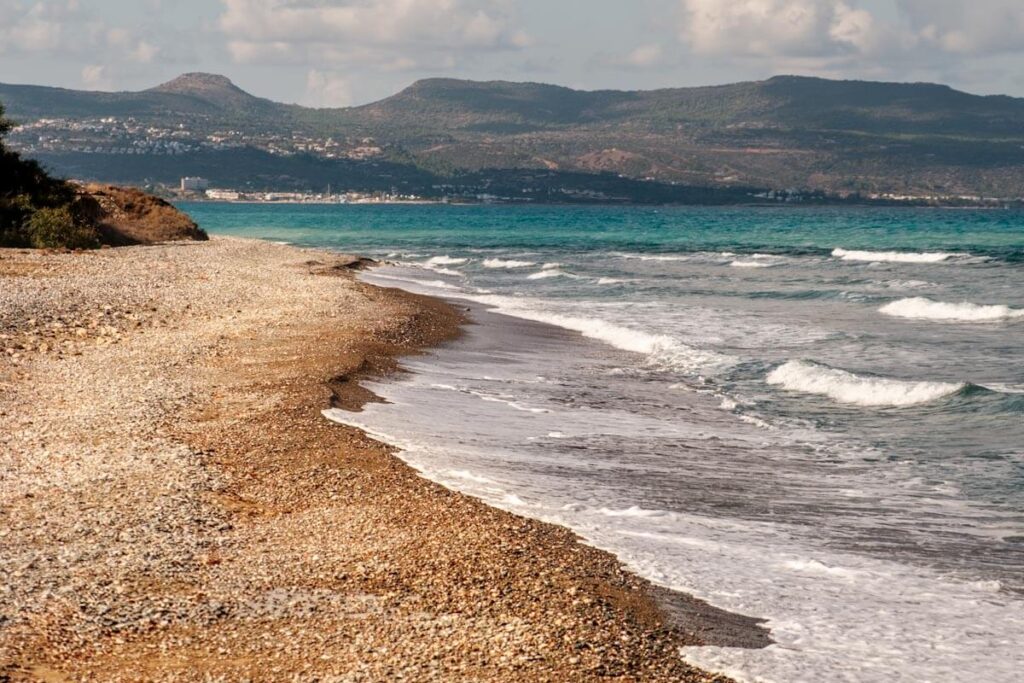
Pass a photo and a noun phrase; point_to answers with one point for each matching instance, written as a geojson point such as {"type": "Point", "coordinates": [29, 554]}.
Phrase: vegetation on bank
{"type": "Point", "coordinates": [37, 210]}
{"type": "Point", "coordinates": [40, 211]}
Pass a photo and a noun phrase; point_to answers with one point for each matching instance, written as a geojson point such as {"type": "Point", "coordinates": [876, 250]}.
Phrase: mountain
{"type": "Point", "coordinates": [810, 134]}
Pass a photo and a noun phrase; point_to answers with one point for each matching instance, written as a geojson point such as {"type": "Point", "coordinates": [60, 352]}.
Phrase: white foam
{"type": "Point", "coordinates": [469, 476]}
{"type": "Point", "coordinates": [655, 257]}
{"type": "Point", "coordinates": [446, 271]}
{"type": "Point", "coordinates": [633, 511]}
{"type": "Point", "coordinates": [445, 261]}
{"type": "Point", "coordinates": [750, 264]}
{"type": "Point", "coordinates": [846, 387]}
{"type": "Point", "coordinates": [548, 273]}
{"type": "Point", "coordinates": [545, 274]}
{"type": "Point", "coordinates": [434, 284]}
{"type": "Point", "coordinates": [550, 265]}
{"type": "Point", "coordinates": [506, 263]}
{"type": "Point", "coordinates": [833, 615]}
{"type": "Point", "coordinates": [926, 309]}
{"type": "Point", "coordinates": [894, 256]}
{"type": "Point", "coordinates": [661, 350]}
{"type": "Point", "coordinates": [490, 398]}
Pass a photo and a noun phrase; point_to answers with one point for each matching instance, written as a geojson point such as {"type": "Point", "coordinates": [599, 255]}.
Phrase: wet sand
{"type": "Point", "coordinates": [173, 505]}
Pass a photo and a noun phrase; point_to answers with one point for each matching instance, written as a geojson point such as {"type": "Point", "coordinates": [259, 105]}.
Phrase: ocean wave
{"type": "Point", "coordinates": [846, 387]}
{"type": "Point", "coordinates": [660, 350]}
{"type": "Point", "coordinates": [751, 264]}
{"type": "Point", "coordinates": [654, 257]}
{"type": "Point", "coordinates": [490, 398]}
{"type": "Point", "coordinates": [926, 309]}
{"type": "Point", "coordinates": [445, 261]}
{"type": "Point", "coordinates": [506, 263]}
{"type": "Point", "coordinates": [550, 273]}
{"type": "Point", "coordinates": [895, 256]}
{"type": "Point", "coordinates": [435, 284]}
{"type": "Point", "coordinates": [446, 271]}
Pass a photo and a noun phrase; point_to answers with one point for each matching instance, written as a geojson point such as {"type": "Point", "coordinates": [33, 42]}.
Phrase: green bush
{"type": "Point", "coordinates": [56, 228]}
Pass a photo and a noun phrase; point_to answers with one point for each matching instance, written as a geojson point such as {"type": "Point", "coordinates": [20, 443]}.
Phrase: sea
{"type": "Point", "coordinates": [813, 416]}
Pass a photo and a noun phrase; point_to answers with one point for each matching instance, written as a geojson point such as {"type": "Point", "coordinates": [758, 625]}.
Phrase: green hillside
{"type": "Point", "coordinates": [785, 132]}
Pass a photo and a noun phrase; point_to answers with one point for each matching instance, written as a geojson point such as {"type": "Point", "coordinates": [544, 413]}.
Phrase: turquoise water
{"type": "Point", "coordinates": [998, 233]}
{"type": "Point", "coordinates": [814, 416]}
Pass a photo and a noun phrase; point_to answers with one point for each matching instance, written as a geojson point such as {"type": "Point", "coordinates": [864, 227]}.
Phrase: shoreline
{"type": "Point", "coordinates": [211, 521]}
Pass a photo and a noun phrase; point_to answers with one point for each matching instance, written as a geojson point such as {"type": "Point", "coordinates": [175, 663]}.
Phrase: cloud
{"type": "Point", "coordinates": [386, 33]}
{"type": "Point", "coordinates": [769, 28]}
{"type": "Point", "coordinates": [644, 56]}
{"type": "Point", "coordinates": [95, 76]}
{"type": "Point", "coordinates": [325, 89]}
{"type": "Point", "coordinates": [980, 28]}
{"type": "Point", "coordinates": [37, 26]}
{"type": "Point", "coordinates": [830, 32]}
{"type": "Point", "coordinates": [65, 29]}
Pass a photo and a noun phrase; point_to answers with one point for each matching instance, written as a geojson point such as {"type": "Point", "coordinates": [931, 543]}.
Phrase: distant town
{"type": "Point", "coordinates": [114, 135]}
{"type": "Point", "coordinates": [196, 188]}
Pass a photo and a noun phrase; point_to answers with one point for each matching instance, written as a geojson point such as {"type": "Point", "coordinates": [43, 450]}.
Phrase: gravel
{"type": "Point", "coordinates": [174, 507]}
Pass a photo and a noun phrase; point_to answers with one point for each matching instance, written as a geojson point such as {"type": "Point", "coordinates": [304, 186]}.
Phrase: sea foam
{"type": "Point", "coordinates": [926, 309]}
{"type": "Point", "coordinates": [550, 273]}
{"type": "Point", "coordinates": [506, 263]}
{"type": "Point", "coordinates": [445, 261]}
{"type": "Point", "coordinates": [894, 256]}
{"type": "Point", "coordinates": [846, 387]}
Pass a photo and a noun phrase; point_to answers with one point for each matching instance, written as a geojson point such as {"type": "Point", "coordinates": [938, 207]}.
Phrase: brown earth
{"type": "Point", "coordinates": [126, 215]}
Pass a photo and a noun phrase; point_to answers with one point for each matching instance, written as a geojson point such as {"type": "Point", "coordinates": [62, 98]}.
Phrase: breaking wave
{"type": "Point", "coordinates": [919, 307]}
{"type": "Point", "coordinates": [894, 256]}
{"type": "Point", "coordinates": [846, 387]}
{"type": "Point", "coordinates": [445, 261]}
{"type": "Point", "coordinates": [509, 263]}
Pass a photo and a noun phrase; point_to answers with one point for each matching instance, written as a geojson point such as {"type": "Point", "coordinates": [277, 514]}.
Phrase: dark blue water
{"type": "Point", "coordinates": [810, 415]}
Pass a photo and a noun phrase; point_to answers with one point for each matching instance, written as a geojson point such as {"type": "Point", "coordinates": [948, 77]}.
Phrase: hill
{"type": "Point", "coordinates": [810, 134]}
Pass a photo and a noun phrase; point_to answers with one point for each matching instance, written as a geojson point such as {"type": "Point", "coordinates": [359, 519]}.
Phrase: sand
{"type": "Point", "coordinates": [173, 505]}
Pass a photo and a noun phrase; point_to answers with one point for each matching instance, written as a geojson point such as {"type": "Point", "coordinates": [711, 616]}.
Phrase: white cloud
{"type": "Point", "coordinates": [982, 27]}
{"type": "Point", "coordinates": [327, 89]}
{"type": "Point", "coordinates": [415, 33]}
{"type": "Point", "coordinates": [920, 32]}
{"type": "Point", "coordinates": [644, 56]}
{"type": "Point", "coordinates": [95, 76]}
{"type": "Point", "coordinates": [35, 27]}
{"type": "Point", "coordinates": [767, 28]}
{"type": "Point", "coordinates": [64, 28]}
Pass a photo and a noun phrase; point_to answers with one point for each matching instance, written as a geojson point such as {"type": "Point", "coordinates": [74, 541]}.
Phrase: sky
{"type": "Point", "coordinates": [343, 52]}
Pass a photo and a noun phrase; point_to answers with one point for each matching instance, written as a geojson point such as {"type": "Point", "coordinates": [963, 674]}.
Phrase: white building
{"type": "Point", "coordinates": [223, 195]}
{"type": "Point", "coordinates": [193, 184]}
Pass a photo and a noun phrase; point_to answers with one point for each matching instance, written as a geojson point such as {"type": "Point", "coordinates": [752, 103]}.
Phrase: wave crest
{"type": "Point", "coordinates": [445, 261]}
{"type": "Point", "coordinates": [922, 308]}
{"type": "Point", "coordinates": [506, 263]}
{"type": "Point", "coordinates": [894, 256]}
{"type": "Point", "coordinates": [846, 387]}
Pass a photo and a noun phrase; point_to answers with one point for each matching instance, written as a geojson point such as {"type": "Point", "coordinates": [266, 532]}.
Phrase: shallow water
{"type": "Point", "coordinates": [813, 416]}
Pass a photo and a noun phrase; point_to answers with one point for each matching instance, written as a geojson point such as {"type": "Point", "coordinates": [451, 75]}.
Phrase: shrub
{"type": "Point", "coordinates": [56, 228]}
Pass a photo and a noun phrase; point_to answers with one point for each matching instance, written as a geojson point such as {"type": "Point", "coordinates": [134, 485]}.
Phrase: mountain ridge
{"type": "Point", "coordinates": [787, 131]}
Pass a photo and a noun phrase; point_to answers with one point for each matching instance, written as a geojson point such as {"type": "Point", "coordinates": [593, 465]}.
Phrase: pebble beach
{"type": "Point", "coordinates": [175, 507]}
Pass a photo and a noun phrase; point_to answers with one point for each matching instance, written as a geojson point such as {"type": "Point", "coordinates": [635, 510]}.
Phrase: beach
{"type": "Point", "coordinates": [174, 505]}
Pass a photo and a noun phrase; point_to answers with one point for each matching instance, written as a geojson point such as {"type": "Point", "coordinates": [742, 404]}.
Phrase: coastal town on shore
{"type": "Point", "coordinates": [198, 189]}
